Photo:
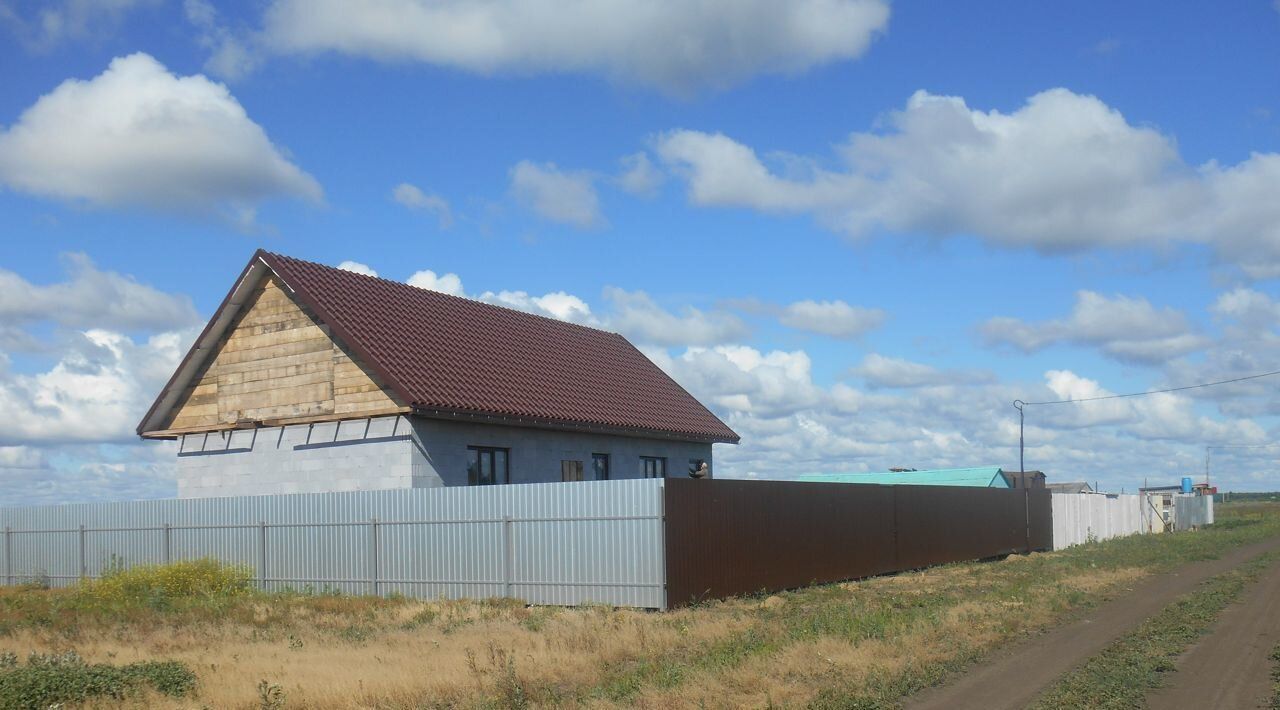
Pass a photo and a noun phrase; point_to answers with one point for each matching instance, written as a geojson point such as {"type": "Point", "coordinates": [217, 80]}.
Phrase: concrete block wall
{"type": "Point", "coordinates": [398, 452]}
{"type": "Point", "coordinates": [535, 454]}
{"type": "Point", "coordinates": [355, 455]}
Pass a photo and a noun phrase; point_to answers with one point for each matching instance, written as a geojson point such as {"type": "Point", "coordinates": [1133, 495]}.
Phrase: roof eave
{"type": "Point", "coordinates": [731, 438]}
{"type": "Point", "coordinates": [450, 414]}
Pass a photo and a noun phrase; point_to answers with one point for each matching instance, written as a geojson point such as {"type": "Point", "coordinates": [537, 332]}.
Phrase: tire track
{"type": "Point", "coordinates": [1021, 671]}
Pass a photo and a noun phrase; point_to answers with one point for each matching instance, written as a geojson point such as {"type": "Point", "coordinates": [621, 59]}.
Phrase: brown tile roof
{"type": "Point", "coordinates": [446, 355]}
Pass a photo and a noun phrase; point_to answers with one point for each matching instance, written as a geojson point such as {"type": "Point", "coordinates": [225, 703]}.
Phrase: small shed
{"type": "Point", "coordinates": [1024, 479]}
{"type": "Point", "coordinates": [978, 477]}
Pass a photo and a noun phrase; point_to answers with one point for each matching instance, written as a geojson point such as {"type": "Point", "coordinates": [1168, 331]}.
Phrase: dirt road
{"type": "Point", "coordinates": [1231, 666]}
{"type": "Point", "coordinates": [1019, 673]}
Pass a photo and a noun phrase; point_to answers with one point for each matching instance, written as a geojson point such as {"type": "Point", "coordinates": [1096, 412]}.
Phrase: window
{"type": "Point", "coordinates": [487, 466]}
{"type": "Point", "coordinates": [599, 467]}
{"type": "Point", "coordinates": [696, 470]}
{"type": "Point", "coordinates": [570, 470]}
{"type": "Point", "coordinates": [653, 467]}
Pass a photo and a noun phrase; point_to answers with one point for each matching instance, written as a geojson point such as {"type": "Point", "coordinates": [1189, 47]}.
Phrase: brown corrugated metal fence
{"type": "Point", "coordinates": [726, 537]}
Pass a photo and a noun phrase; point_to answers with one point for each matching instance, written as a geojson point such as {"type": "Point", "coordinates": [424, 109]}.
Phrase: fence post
{"type": "Point", "coordinates": [1026, 498]}
{"type": "Point", "coordinates": [662, 544]}
{"type": "Point", "coordinates": [373, 556]}
{"type": "Point", "coordinates": [507, 555]}
{"type": "Point", "coordinates": [8, 555]}
{"type": "Point", "coordinates": [168, 550]}
{"type": "Point", "coordinates": [262, 554]}
{"type": "Point", "coordinates": [84, 567]}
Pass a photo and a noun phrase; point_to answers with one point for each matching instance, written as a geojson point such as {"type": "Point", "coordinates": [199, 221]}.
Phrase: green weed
{"type": "Point", "coordinates": [55, 680]}
{"type": "Point", "coordinates": [159, 586]}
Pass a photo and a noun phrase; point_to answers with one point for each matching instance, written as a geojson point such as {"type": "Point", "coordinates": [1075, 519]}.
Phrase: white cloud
{"type": "Point", "coordinates": [677, 47]}
{"type": "Point", "coordinates": [137, 135]}
{"type": "Point", "coordinates": [92, 298]}
{"type": "Point", "coordinates": [69, 413]}
{"type": "Point", "coordinates": [26, 457]}
{"type": "Point", "coordinates": [558, 305]}
{"type": "Point", "coordinates": [791, 425]}
{"type": "Point", "coordinates": [636, 315]}
{"type": "Point", "coordinates": [445, 283]}
{"type": "Point", "coordinates": [232, 58]}
{"type": "Point", "coordinates": [1125, 328]}
{"type": "Point", "coordinates": [639, 176]}
{"type": "Point", "coordinates": [566, 197]}
{"type": "Point", "coordinates": [1105, 46]}
{"type": "Point", "coordinates": [356, 267]}
{"type": "Point", "coordinates": [882, 371]}
{"type": "Point", "coordinates": [83, 473]}
{"type": "Point", "coordinates": [1249, 307]}
{"type": "Point", "coordinates": [746, 381]}
{"type": "Point", "coordinates": [1063, 172]}
{"type": "Point", "coordinates": [97, 391]}
{"type": "Point", "coordinates": [632, 313]}
{"type": "Point", "coordinates": [58, 21]}
{"type": "Point", "coordinates": [412, 197]}
{"type": "Point", "coordinates": [1163, 417]}
{"type": "Point", "coordinates": [834, 318]}
{"type": "Point", "coordinates": [1249, 344]}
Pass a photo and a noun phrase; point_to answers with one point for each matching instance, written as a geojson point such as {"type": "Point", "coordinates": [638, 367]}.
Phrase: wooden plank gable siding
{"type": "Point", "coordinates": [278, 363]}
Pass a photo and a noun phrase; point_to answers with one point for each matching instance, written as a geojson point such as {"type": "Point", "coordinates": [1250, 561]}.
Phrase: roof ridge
{"type": "Point", "coordinates": [464, 299]}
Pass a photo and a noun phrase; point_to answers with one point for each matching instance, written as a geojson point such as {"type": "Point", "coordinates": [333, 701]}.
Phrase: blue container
{"type": "Point", "coordinates": [1186, 484]}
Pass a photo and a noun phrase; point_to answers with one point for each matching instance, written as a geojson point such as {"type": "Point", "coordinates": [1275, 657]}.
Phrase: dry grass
{"type": "Point", "coordinates": [410, 653]}
{"type": "Point", "coordinates": [397, 653]}
{"type": "Point", "coordinates": [854, 644]}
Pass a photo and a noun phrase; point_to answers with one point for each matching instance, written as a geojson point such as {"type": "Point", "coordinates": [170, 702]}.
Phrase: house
{"type": "Point", "coordinates": [980, 477]}
{"type": "Point", "coordinates": [314, 379]}
{"type": "Point", "coordinates": [1024, 479]}
{"type": "Point", "coordinates": [1071, 487]}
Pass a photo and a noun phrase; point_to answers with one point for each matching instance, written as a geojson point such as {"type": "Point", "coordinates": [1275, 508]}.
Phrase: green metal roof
{"type": "Point", "coordinates": [980, 477]}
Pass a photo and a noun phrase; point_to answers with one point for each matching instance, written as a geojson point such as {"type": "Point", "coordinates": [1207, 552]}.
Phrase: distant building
{"type": "Point", "coordinates": [980, 477]}
{"type": "Point", "coordinates": [1072, 487]}
{"type": "Point", "coordinates": [1024, 479]}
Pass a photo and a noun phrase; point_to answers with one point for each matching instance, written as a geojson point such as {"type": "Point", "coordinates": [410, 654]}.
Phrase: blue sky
{"type": "Point", "coordinates": [856, 229]}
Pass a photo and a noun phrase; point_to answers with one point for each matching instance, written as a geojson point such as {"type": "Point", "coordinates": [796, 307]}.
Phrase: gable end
{"type": "Point", "coordinates": [275, 363]}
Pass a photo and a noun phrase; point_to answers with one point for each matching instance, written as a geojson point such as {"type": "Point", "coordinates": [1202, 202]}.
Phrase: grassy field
{"type": "Point", "coordinates": [859, 644]}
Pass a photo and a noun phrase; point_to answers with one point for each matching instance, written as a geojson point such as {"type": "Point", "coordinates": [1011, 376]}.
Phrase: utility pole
{"type": "Point", "coordinates": [1018, 404]}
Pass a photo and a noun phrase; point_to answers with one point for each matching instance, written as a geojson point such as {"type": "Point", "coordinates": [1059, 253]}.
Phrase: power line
{"type": "Point", "coordinates": [1019, 404]}
{"type": "Point", "coordinates": [1143, 394]}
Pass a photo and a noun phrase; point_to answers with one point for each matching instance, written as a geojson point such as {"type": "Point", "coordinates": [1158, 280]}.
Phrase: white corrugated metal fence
{"type": "Point", "coordinates": [1192, 511]}
{"type": "Point", "coordinates": [548, 543]}
{"type": "Point", "coordinates": [1079, 518]}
